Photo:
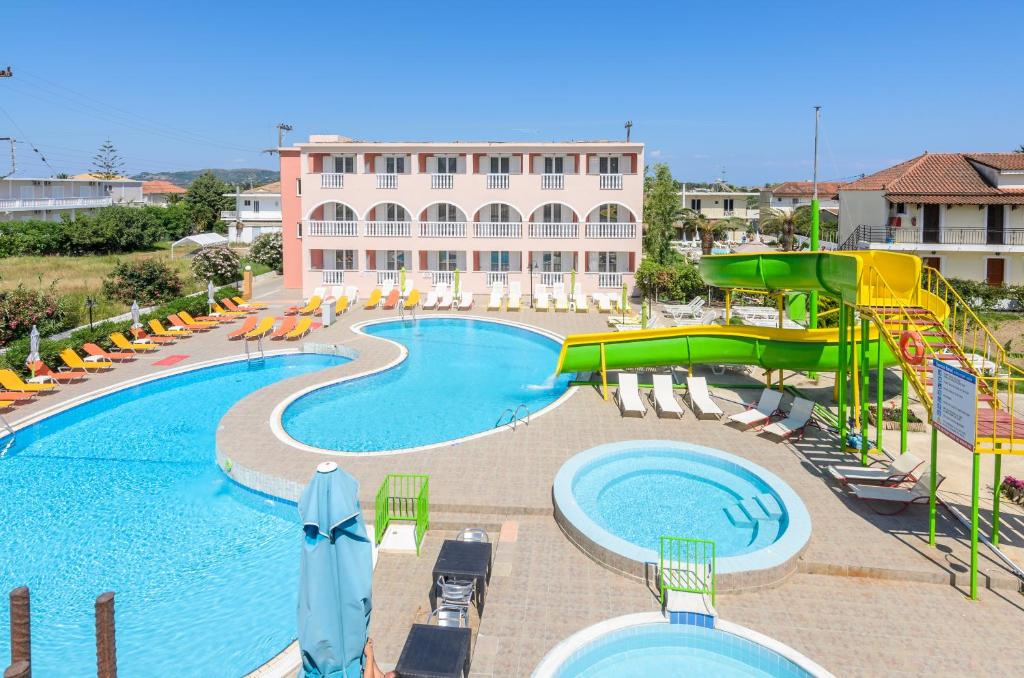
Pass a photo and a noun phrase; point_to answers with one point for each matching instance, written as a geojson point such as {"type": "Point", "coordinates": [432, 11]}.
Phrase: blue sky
{"type": "Point", "coordinates": [708, 86]}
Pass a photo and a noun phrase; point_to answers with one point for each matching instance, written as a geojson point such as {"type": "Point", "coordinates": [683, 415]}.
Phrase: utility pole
{"type": "Point", "coordinates": [815, 226]}
{"type": "Point", "coordinates": [14, 156]}
{"type": "Point", "coordinates": [7, 74]}
{"type": "Point", "coordinates": [629, 128]}
{"type": "Point", "coordinates": [281, 129]}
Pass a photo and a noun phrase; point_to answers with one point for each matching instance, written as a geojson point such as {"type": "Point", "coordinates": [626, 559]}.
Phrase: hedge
{"type": "Point", "coordinates": [49, 349]}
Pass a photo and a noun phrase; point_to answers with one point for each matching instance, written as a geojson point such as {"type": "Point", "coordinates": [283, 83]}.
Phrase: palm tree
{"type": "Point", "coordinates": [693, 222]}
{"type": "Point", "coordinates": [783, 224]}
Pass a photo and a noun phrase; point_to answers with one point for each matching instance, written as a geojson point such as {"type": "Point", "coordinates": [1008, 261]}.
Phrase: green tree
{"type": "Point", "coordinates": [703, 228]}
{"type": "Point", "coordinates": [661, 209]}
{"type": "Point", "coordinates": [785, 225]}
{"type": "Point", "coordinates": [107, 164]}
{"type": "Point", "coordinates": [205, 200]}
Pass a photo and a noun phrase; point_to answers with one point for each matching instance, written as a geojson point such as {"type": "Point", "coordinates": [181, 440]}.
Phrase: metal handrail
{"type": "Point", "coordinates": [249, 356]}
{"type": "Point", "coordinates": [514, 418]}
{"type": "Point", "coordinates": [10, 436]}
{"type": "Point", "coordinates": [963, 308]}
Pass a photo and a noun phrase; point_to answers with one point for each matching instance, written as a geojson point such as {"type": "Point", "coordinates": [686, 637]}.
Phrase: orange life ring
{"type": "Point", "coordinates": [917, 357]}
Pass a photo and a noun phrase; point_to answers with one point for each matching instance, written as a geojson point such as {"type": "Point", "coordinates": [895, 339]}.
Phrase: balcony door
{"type": "Point", "coordinates": [446, 212]}
{"type": "Point", "coordinates": [608, 165]}
{"type": "Point", "coordinates": [499, 165]}
{"type": "Point", "coordinates": [552, 213]}
{"type": "Point", "coordinates": [994, 225]}
{"type": "Point", "coordinates": [394, 164]}
{"type": "Point", "coordinates": [446, 164]}
{"type": "Point", "coordinates": [554, 165]}
{"type": "Point", "coordinates": [930, 226]}
{"type": "Point", "coordinates": [995, 272]}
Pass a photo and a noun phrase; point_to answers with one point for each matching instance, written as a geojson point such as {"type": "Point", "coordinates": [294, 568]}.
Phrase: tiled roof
{"type": "Point", "coordinates": [939, 178]}
{"type": "Point", "coordinates": [159, 187]}
{"type": "Point", "coordinates": [273, 187]}
{"type": "Point", "coordinates": [1000, 161]}
{"type": "Point", "coordinates": [805, 189]}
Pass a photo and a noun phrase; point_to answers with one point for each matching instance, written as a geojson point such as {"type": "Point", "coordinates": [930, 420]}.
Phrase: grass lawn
{"type": "Point", "coordinates": [76, 278]}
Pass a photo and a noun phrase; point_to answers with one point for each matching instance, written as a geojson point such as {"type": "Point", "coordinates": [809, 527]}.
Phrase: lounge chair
{"type": "Point", "coordinates": [900, 497]}
{"type": "Point", "coordinates": [412, 299]}
{"type": "Point", "coordinates": [542, 302]}
{"type": "Point", "coordinates": [176, 321]}
{"type": "Point", "coordinates": [248, 326]}
{"type": "Point", "coordinates": [342, 305]}
{"type": "Point", "coordinates": [432, 298]}
{"type": "Point", "coordinates": [12, 382]}
{"type": "Point", "coordinates": [580, 299]}
{"type": "Point", "coordinates": [286, 326]}
{"type": "Point", "coordinates": [465, 300]}
{"type": "Point", "coordinates": [900, 470]}
{"type": "Point", "coordinates": [18, 397]}
{"type": "Point", "coordinates": [494, 303]}
{"type": "Point", "coordinates": [663, 398]}
{"type": "Point", "coordinates": [603, 301]}
{"type": "Point", "coordinates": [43, 373]}
{"type": "Point", "coordinates": [232, 306]}
{"type": "Point", "coordinates": [515, 296]}
{"type": "Point", "coordinates": [136, 346]}
{"type": "Point", "coordinates": [96, 352]}
{"type": "Point", "coordinates": [173, 331]}
{"type": "Point", "coordinates": [392, 300]}
{"type": "Point", "coordinates": [700, 398]}
{"type": "Point", "coordinates": [219, 312]}
{"type": "Point", "coordinates": [445, 302]}
{"type": "Point", "coordinates": [452, 616]}
{"type": "Point", "coordinates": [75, 362]}
{"type": "Point", "coordinates": [561, 300]}
{"type": "Point", "coordinates": [242, 303]}
{"type": "Point", "coordinates": [141, 334]}
{"type": "Point", "coordinates": [262, 329]}
{"type": "Point", "coordinates": [765, 408]}
{"type": "Point", "coordinates": [795, 422]}
{"type": "Point", "coordinates": [352, 292]}
{"type": "Point", "coordinates": [373, 300]}
{"type": "Point", "coordinates": [301, 329]}
{"type": "Point", "coordinates": [690, 310]}
{"type": "Point", "coordinates": [202, 321]}
{"type": "Point", "coordinates": [311, 307]}
{"type": "Point", "coordinates": [627, 396]}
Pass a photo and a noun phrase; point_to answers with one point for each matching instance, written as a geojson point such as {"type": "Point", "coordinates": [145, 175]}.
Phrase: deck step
{"type": "Point", "coordinates": [753, 509]}
{"type": "Point", "coordinates": [738, 516]}
{"type": "Point", "coordinates": [770, 505]}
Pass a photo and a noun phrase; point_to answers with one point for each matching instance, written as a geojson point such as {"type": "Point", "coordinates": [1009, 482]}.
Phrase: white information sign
{"type": "Point", "coordinates": [954, 402]}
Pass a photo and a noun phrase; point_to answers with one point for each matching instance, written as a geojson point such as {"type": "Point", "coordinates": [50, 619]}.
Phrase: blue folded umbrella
{"type": "Point", "coordinates": [336, 576]}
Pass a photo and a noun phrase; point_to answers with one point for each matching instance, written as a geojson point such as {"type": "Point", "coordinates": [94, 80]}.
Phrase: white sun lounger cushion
{"type": "Point", "coordinates": [700, 398]}
{"type": "Point", "coordinates": [766, 407]}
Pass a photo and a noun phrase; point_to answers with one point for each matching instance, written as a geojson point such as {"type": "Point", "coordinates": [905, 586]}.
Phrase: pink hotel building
{"type": "Point", "coordinates": [355, 213]}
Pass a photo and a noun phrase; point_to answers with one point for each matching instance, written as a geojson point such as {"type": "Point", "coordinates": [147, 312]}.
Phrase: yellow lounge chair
{"type": "Point", "coordinates": [309, 309]}
{"type": "Point", "coordinates": [262, 329]}
{"type": "Point", "coordinates": [242, 303]}
{"type": "Point", "coordinates": [160, 331]}
{"type": "Point", "coordinates": [374, 299]}
{"type": "Point", "coordinates": [342, 305]}
{"type": "Point", "coordinates": [220, 310]}
{"type": "Point", "coordinates": [301, 328]}
{"type": "Point", "coordinates": [412, 299]}
{"type": "Point", "coordinates": [75, 362]}
{"type": "Point", "coordinates": [198, 323]}
{"type": "Point", "coordinates": [12, 382]}
{"type": "Point", "coordinates": [122, 343]}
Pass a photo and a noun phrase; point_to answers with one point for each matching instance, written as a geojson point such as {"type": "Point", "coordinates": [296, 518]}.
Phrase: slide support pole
{"type": "Point", "coordinates": [880, 377]}
{"type": "Point", "coordinates": [903, 412]}
{"type": "Point", "coordinates": [997, 482]}
{"type": "Point", "coordinates": [604, 375]}
{"type": "Point", "coordinates": [864, 374]}
{"type": "Point", "coordinates": [975, 483]}
{"type": "Point", "coordinates": [931, 491]}
{"type": "Point", "coordinates": [855, 372]}
{"type": "Point", "coordinates": [728, 306]}
{"type": "Point", "coordinates": [841, 375]}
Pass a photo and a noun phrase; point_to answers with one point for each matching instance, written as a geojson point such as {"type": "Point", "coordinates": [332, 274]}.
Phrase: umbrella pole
{"type": "Point", "coordinates": [106, 649]}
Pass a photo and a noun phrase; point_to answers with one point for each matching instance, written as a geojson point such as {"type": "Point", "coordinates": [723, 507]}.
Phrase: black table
{"type": "Point", "coordinates": [464, 560]}
{"type": "Point", "coordinates": [435, 652]}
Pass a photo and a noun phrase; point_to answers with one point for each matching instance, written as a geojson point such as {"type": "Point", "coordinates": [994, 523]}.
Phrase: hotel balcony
{"type": "Point", "coordinates": [555, 230]}
{"type": "Point", "coordinates": [945, 237]}
{"type": "Point", "coordinates": [610, 182]}
{"type": "Point", "coordinates": [497, 229]}
{"type": "Point", "coordinates": [250, 215]}
{"type": "Point", "coordinates": [19, 204]}
{"type": "Point", "coordinates": [332, 180]}
{"type": "Point", "coordinates": [343, 229]}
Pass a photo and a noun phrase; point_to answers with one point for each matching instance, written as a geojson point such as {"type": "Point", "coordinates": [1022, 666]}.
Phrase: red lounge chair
{"type": "Point", "coordinates": [178, 322]}
{"type": "Point", "coordinates": [40, 369]}
{"type": "Point", "coordinates": [140, 333]}
{"type": "Point", "coordinates": [232, 306]}
{"type": "Point", "coordinates": [248, 326]}
{"type": "Point", "coordinates": [287, 325]}
{"type": "Point", "coordinates": [18, 397]}
{"type": "Point", "coordinates": [118, 357]}
{"type": "Point", "coordinates": [392, 299]}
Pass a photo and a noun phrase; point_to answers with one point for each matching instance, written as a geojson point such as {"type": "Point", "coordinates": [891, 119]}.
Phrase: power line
{"type": "Point", "coordinates": [29, 142]}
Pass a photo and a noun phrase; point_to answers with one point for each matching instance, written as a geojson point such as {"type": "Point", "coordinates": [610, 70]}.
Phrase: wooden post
{"type": "Point", "coordinates": [18, 669]}
{"type": "Point", "coordinates": [247, 283]}
{"type": "Point", "coordinates": [21, 632]}
{"type": "Point", "coordinates": [106, 648]}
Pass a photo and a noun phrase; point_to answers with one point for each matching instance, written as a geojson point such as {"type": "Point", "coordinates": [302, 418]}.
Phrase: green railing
{"type": "Point", "coordinates": [403, 496]}
{"type": "Point", "coordinates": [686, 565]}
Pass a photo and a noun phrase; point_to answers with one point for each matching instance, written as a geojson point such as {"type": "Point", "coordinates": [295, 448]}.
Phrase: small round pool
{"type": "Point", "coordinates": [618, 500]}
{"type": "Point", "coordinates": [641, 645]}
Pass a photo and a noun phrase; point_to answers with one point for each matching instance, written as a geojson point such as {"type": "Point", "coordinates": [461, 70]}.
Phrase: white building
{"type": "Point", "coordinates": [257, 211]}
{"type": "Point", "coordinates": [790, 195]}
{"type": "Point", "coordinates": [24, 199]}
{"type": "Point", "coordinates": [159, 192]}
{"type": "Point", "coordinates": [962, 213]}
{"type": "Point", "coordinates": [723, 202]}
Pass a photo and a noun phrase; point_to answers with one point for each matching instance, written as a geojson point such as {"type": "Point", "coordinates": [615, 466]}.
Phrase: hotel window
{"type": "Point", "coordinates": [695, 204]}
{"type": "Point", "coordinates": [343, 213]}
{"type": "Point", "coordinates": [345, 260]}
{"type": "Point", "coordinates": [298, 187]}
{"type": "Point", "coordinates": [499, 165]}
{"type": "Point", "coordinates": [499, 261]}
{"type": "Point", "coordinates": [551, 262]}
{"type": "Point", "coordinates": [608, 214]}
{"type": "Point", "coordinates": [727, 204]}
{"type": "Point", "coordinates": [552, 214]}
{"type": "Point", "coordinates": [344, 164]}
{"type": "Point", "coordinates": [499, 213]}
{"type": "Point", "coordinates": [607, 262]}
{"type": "Point", "coordinates": [247, 203]}
{"type": "Point", "coordinates": [608, 165]}
{"type": "Point", "coordinates": [901, 208]}
{"type": "Point", "coordinates": [446, 212]}
{"type": "Point", "coordinates": [394, 164]}
{"type": "Point", "coordinates": [446, 164]}
{"type": "Point", "coordinates": [395, 212]}
{"type": "Point", "coordinates": [447, 260]}
{"type": "Point", "coordinates": [395, 259]}
{"type": "Point", "coordinates": [553, 165]}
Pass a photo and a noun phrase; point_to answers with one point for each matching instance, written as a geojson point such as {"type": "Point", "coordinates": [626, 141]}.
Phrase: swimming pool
{"type": "Point", "coordinates": [643, 645]}
{"type": "Point", "coordinates": [121, 493]}
{"type": "Point", "coordinates": [458, 378]}
{"type": "Point", "coordinates": [623, 497]}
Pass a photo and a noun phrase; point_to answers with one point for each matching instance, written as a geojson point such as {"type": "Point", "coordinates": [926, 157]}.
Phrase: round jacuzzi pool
{"type": "Point", "coordinates": [616, 501]}
{"type": "Point", "coordinates": [645, 645]}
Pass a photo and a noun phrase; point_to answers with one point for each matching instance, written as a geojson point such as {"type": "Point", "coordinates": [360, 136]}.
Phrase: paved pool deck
{"type": "Point", "coordinates": [869, 597]}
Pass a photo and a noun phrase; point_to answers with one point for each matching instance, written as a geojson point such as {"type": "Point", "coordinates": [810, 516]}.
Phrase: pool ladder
{"type": "Point", "coordinates": [9, 438]}
{"type": "Point", "coordinates": [255, 356]}
{"type": "Point", "coordinates": [401, 311]}
{"type": "Point", "coordinates": [514, 418]}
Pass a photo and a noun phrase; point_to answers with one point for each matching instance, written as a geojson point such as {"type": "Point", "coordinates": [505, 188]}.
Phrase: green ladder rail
{"type": "Point", "coordinates": [686, 565]}
{"type": "Point", "coordinates": [402, 496]}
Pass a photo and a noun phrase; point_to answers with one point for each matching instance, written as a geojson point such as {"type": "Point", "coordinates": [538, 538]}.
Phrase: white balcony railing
{"type": "Point", "coordinates": [53, 203]}
{"type": "Point", "coordinates": [500, 277]}
{"type": "Point", "coordinates": [333, 277]}
{"type": "Point", "coordinates": [551, 278]}
{"type": "Point", "coordinates": [387, 181]}
{"type": "Point", "coordinates": [442, 229]}
{"type": "Point", "coordinates": [610, 182]}
{"type": "Point", "coordinates": [228, 215]}
{"type": "Point", "coordinates": [552, 182]}
{"type": "Point", "coordinates": [609, 280]}
{"type": "Point", "coordinates": [563, 230]}
{"type": "Point", "coordinates": [728, 213]}
{"type": "Point", "coordinates": [387, 277]}
{"type": "Point", "coordinates": [346, 229]}
{"type": "Point", "coordinates": [607, 230]}
{"type": "Point", "coordinates": [441, 277]}
{"type": "Point", "coordinates": [497, 181]}
{"type": "Point", "coordinates": [496, 229]}
{"type": "Point", "coordinates": [442, 180]}
{"type": "Point", "coordinates": [332, 180]}
{"type": "Point", "coordinates": [388, 229]}
{"type": "Point", "coordinates": [251, 215]}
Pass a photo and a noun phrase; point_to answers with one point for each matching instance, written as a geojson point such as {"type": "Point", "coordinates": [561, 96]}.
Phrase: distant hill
{"type": "Point", "coordinates": [243, 177]}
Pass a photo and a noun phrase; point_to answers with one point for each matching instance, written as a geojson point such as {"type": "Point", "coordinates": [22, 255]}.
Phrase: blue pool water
{"type": "Point", "coordinates": [459, 376]}
{"type": "Point", "coordinates": [646, 492]}
{"type": "Point", "coordinates": [122, 494]}
{"type": "Point", "coordinates": [676, 650]}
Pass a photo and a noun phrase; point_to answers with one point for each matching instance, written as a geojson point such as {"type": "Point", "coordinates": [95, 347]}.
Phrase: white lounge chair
{"type": "Point", "coordinates": [579, 299]}
{"type": "Point", "coordinates": [445, 302]}
{"type": "Point", "coordinates": [627, 396]}
{"type": "Point", "coordinates": [663, 398]}
{"type": "Point", "coordinates": [465, 300]}
{"type": "Point", "coordinates": [432, 298]}
{"type": "Point", "coordinates": [541, 301]}
{"type": "Point", "coordinates": [352, 292]}
{"type": "Point", "coordinates": [515, 296]}
{"type": "Point", "coordinates": [561, 300]}
{"type": "Point", "coordinates": [700, 398]}
{"type": "Point", "coordinates": [604, 304]}
{"type": "Point", "coordinates": [900, 470]}
{"type": "Point", "coordinates": [766, 406]}
{"type": "Point", "coordinates": [795, 422]}
{"type": "Point", "coordinates": [409, 286]}
{"type": "Point", "coordinates": [690, 309]}
{"type": "Point", "coordinates": [494, 303]}
{"type": "Point", "coordinates": [318, 292]}
{"type": "Point", "coordinates": [901, 497]}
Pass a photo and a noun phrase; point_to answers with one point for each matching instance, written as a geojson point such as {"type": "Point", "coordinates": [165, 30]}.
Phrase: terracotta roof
{"type": "Point", "coordinates": [272, 187]}
{"type": "Point", "coordinates": [159, 187]}
{"type": "Point", "coordinates": [805, 189]}
{"type": "Point", "coordinates": [1000, 161]}
{"type": "Point", "coordinates": [1001, 198]}
{"type": "Point", "coordinates": [937, 178]}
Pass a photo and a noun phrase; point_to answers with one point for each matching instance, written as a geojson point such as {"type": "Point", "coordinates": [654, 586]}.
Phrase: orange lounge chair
{"type": "Point", "coordinates": [175, 332]}
{"type": "Point", "coordinates": [40, 369]}
{"type": "Point", "coordinates": [176, 320]}
{"type": "Point", "coordinates": [392, 300]}
{"type": "Point", "coordinates": [117, 357]}
{"type": "Point", "coordinates": [17, 397]}
{"type": "Point", "coordinates": [264, 327]}
{"type": "Point", "coordinates": [247, 326]}
{"type": "Point", "coordinates": [140, 334]}
{"type": "Point", "coordinates": [92, 363]}
{"type": "Point", "coordinates": [286, 326]}
{"type": "Point", "coordinates": [219, 313]}
{"type": "Point", "coordinates": [234, 308]}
